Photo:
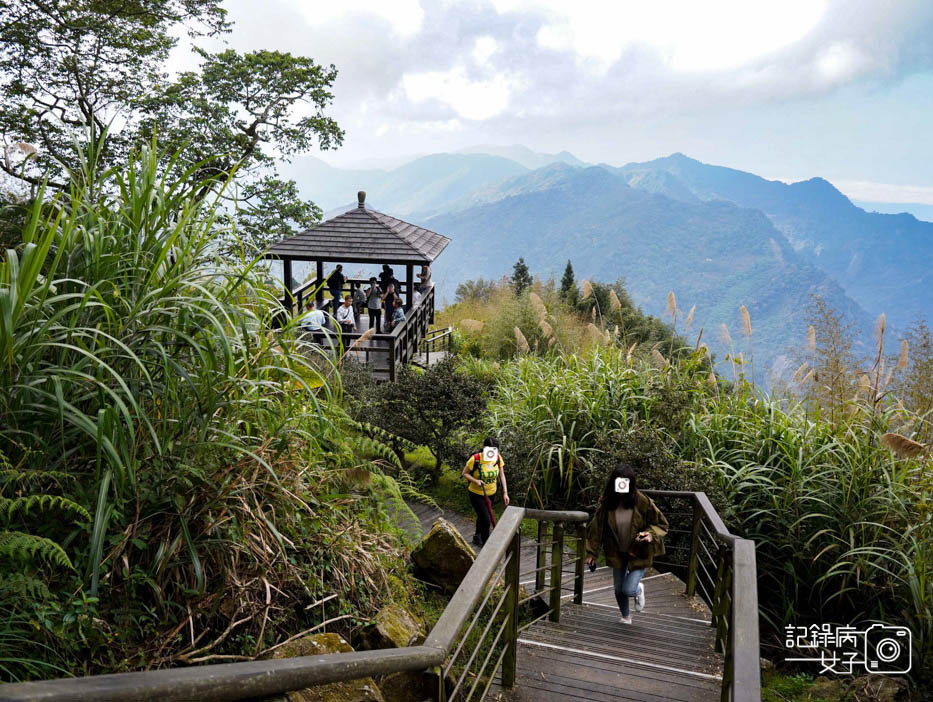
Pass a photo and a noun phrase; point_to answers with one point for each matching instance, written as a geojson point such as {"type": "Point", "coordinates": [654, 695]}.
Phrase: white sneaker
{"type": "Point", "coordinates": [625, 620]}
{"type": "Point", "coordinates": [640, 598]}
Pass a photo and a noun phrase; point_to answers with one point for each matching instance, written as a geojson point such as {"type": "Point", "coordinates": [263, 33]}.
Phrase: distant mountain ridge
{"type": "Point", "coordinates": [882, 260]}
{"type": "Point", "coordinates": [713, 254]}
{"type": "Point", "coordinates": [525, 156]}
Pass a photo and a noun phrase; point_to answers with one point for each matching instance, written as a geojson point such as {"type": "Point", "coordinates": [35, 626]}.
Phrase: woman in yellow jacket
{"type": "Point", "coordinates": [630, 529]}
{"type": "Point", "coordinates": [483, 471]}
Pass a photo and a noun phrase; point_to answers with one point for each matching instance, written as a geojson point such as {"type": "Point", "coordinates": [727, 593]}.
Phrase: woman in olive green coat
{"type": "Point", "coordinates": [630, 529]}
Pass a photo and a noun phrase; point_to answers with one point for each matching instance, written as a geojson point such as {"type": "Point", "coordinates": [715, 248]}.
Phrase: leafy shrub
{"type": "Point", "coordinates": [437, 408]}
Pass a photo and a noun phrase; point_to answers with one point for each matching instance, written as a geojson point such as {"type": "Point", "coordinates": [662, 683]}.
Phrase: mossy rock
{"type": "Point", "coordinates": [443, 556]}
{"type": "Point", "coordinates": [392, 627]}
{"type": "Point", "coordinates": [362, 690]}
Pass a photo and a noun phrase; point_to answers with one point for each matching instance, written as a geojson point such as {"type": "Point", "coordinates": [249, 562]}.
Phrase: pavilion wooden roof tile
{"type": "Point", "coordinates": [363, 235]}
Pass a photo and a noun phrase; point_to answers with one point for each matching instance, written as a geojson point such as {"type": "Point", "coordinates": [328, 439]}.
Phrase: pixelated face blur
{"type": "Point", "coordinates": [490, 453]}
{"type": "Point", "coordinates": [622, 484]}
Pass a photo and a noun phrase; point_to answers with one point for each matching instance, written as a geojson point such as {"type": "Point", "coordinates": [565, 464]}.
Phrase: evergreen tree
{"type": "Point", "coordinates": [568, 285]}
{"type": "Point", "coordinates": [521, 278]}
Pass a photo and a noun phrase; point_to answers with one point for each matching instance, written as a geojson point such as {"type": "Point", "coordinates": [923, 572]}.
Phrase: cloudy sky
{"type": "Point", "coordinates": [788, 89]}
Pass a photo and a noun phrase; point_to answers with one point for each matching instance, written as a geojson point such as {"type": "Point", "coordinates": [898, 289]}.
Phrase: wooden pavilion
{"type": "Point", "coordinates": [362, 235]}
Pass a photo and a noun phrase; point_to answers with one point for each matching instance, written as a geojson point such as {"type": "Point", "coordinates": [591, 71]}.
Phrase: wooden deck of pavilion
{"type": "Point", "coordinates": [362, 235]}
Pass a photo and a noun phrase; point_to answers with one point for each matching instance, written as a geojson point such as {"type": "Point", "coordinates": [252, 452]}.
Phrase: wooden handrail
{"type": "Point", "coordinates": [233, 681]}
{"type": "Point", "coordinates": [742, 674]}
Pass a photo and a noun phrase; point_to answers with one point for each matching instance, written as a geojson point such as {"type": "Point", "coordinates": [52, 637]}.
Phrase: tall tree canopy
{"type": "Point", "coordinates": [568, 285]}
{"type": "Point", "coordinates": [521, 278]}
{"type": "Point", "coordinates": [70, 70]}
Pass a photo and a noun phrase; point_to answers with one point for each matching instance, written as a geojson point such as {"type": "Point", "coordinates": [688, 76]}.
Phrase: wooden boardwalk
{"type": "Point", "coordinates": [665, 654]}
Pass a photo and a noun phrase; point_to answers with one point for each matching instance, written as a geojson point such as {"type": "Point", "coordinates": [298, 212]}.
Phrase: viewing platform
{"type": "Point", "coordinates": [364, 236]}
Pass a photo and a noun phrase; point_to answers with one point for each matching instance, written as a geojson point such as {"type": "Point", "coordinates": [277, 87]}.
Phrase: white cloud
{"type": "Point", "coordinates": [405, 16]}
{"type": "Point", "coordinates": [470, 99]}
{"type": "Point", "coordinates": [483, 49]}
{"type": "Point", "coordinates": [886, 192]}
{"type": "Point", "coordinates": [686, 35]}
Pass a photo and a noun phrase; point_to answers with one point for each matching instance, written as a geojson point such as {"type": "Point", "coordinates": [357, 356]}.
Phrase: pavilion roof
{"type": "Point", "coordinates": [362, 235]}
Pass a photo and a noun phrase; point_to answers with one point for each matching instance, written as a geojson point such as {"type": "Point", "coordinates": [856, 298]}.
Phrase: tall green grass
{"type": "Point", "coordinates": [844, 529]}
{"type": "Point", "coordinates": [181, 472]}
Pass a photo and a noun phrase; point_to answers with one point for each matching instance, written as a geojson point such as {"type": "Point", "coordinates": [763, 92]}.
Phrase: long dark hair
{"type": "Point", "coordinates": [613, 499]}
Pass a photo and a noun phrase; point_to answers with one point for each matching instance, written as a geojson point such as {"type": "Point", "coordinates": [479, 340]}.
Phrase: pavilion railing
{"type": "Point", "coordinates": [385, 354]}
{"type": "Point", "coordinates": [299, 297]}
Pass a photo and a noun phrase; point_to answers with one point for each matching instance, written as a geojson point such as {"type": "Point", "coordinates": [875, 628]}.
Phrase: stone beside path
{"type": "Point", "coordinates": [466, 524]}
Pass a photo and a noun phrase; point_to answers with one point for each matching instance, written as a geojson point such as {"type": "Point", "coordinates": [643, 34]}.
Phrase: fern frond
{"type": "Point", "coordinates": [16, 544]}
{"type": "Point", "coordinates": [371, 447]}
{"type": "Point", "coordinates": [380, 434]}
{"type": "Point", "coordinates": [409, 490]}
{"type": "Point", "coordinates": [11, 476]}
{"type": "Point", "coordinates": [21, 506]}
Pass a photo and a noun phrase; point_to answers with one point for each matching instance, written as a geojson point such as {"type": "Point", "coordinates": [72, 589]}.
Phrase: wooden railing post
{"type": "Point", "coordinates": [511, 625]}
{"type": "Point", "coordinates": [694, 549]}
{"type": "Point", "coordinates": [541, 556]}
{"type": "Point", "coordinates": [557, 555]}
{"type": "Point", "coordinates": [581, 557]}
{"type": "Point", "coordinates": [719, 599]}
{"type": "Point", "coordinates": [392, 339]}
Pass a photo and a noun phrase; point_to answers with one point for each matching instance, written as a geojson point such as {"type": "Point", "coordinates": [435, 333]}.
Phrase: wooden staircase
{"type": "Point", "coordinates": [667, 653]}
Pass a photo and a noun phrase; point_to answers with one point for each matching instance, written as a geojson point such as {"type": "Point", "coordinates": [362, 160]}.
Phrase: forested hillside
{"type": "Point", "coordinates": [711, 254]}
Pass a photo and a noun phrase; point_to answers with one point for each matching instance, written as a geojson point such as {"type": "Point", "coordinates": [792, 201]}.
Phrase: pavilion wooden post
{"type": "Point", "coordinates": [320, 279]}
{"type": "Point", "coordinates": [410, 284]}
{"type": "Point", "coordinates": [287, 279]}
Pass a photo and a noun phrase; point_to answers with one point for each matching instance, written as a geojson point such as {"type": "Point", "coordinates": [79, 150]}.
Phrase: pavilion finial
{"type": "Point", "coordinates": [361, 198]}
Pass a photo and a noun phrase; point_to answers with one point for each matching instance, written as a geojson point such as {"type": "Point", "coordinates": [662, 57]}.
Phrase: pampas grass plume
{"type": "Point", "coordinates": [901, 445]}
{"type": "Point", "coordinates": [746, 320]}
{"type": "Point", "coordinates": [587, 289]}
{"type": "Point", "coordinates": [521, 341]}
{"type": "Point", "coordinates": [537, 304]}
{"type": "Point", "coordinates": [671, 304]}
{"type": "Point", "coordinates": [659, 359]}
{"type": "Point", "coordinates": [879, 328]}
{"type": "Point", "coordinates": [902, 359]}
{"type": "Point", "coordinates": [811, 339]}
{"type": "Point", "coordinates": [614, 303]}
{"type": "Point", "coordinates": [725, 335]}
{"type": "Point", "coordinates": [594, 334]}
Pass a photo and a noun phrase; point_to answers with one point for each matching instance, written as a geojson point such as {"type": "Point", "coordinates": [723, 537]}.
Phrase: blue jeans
{"type": "Point", "coordinates": [625, 582]}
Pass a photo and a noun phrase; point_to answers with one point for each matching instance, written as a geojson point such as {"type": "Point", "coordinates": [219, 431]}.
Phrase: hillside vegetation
{"type": "Point", "coordinates": [177, 483]}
